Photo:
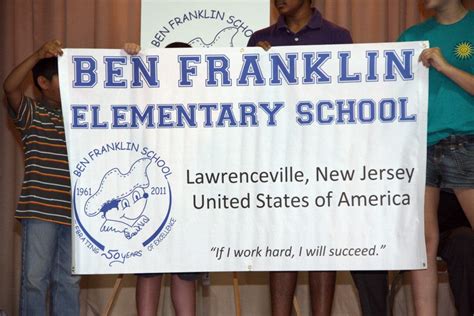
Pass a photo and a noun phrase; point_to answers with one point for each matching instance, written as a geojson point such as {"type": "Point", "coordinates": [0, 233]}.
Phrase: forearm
{"type": "Point", "coordinates": [463, 79]}
{"type": "Point", "coordinates": [12, 85]}
{"type": "Point", "coordinates": [19, 73]}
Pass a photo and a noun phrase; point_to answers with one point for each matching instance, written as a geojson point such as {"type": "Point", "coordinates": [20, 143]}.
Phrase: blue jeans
{"type": "Point", "coordinates": [46, 264]}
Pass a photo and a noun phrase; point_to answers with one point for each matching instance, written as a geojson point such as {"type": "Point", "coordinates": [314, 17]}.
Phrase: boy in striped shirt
{"type": "Point", "coordinates": [44, 206]}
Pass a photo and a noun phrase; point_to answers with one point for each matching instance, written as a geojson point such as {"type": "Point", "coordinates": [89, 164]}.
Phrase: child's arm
{"type": "Point", "coordinates": [434, 57]}
{"type": "Point", "coordinates": [12, 84]}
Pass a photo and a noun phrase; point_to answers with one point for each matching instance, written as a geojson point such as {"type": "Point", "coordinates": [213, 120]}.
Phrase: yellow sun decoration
{"type": "Point", "coordinates": [464, 50]}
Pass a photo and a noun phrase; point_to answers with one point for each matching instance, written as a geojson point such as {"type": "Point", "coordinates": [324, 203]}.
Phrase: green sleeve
{"type": "Point", "coordinates": [403, 37]}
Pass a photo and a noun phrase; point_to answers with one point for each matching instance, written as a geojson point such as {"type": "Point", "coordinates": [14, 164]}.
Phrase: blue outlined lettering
{"type": "Point", "coordinates": [164, 115]}
{"type": "Point", "coordinates": [149, 73]}
{"type": "Point", "coordinates": [207, 108]}
{"type": "Point", "coordinates": [119, 116]}
{"type": "Point", "coordinates": [95, 118]}
{"type": "Point", "coordinates": [218, 64]}
{"type": "Point", "coordinates": [393, 64]}
{"type": "Point", "coordinates": [372, 75]}
{"type": "Point", "coordinates": [280, 69]}
{"type": "Point", "coordinates": [345, 108]}
{"type": "Point", "coordinates": [286, 67]}
{"type": "Point", "coordinates": [112, 71]}
{"type": "Point", "coordinates": [186, 70]}
{"type": "Point", "coordinates": [141, 117]}
{"type": "Point", "coordinates": [388, 110]}
{"type": "Point", "coordinates": [363, 111]}
{"type": "Point", "coordinates": [78, 116]}
{"type": "Point", "coordinates": [303, 109]}
{"type": "Point", "coordinates": [277, 106]}
{"type": "Point", "coordinates": [312, 70]}
{"type": "Point", "coordinates": [85, 71]}
{"type": "Point", "coordinates": [226, 115]}
{"type": "Point", "coordinates": [248, 111]}
{"type": "Point", "coordinates": [321, 118]}
{"type": "Point", "coordinates": [251, 68]}
{"type": "Point", "coordinates": [344, 75]}
{"type": "Point", "coordinates": [404, 116]}
{"type": "Point", "coordinates": [184, 116]}
{"type": "Point", "coordinates": [366, 111]}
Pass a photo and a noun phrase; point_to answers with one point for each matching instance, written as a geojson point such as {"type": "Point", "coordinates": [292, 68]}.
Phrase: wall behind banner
{"type": "Point", "coordinates": [26, 24]}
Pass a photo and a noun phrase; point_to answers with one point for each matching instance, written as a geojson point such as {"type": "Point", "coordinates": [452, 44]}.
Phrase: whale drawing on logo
{"type": "Point", "coordinates": [122, 199]}
{"type": "Point", "coordinates": [224, 38]}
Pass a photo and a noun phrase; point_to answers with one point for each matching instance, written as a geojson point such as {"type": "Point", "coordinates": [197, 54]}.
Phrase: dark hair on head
{"type": "Point", "coordinates": [178, 45]}
{"type": "Point", "coordinates": [46, 67]}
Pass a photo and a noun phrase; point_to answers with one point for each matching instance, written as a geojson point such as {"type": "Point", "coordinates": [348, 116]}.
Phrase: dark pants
{"type": "Point", "coordinates": [456, 247]}
{"type": "Point", "coordinates": [373, 290]}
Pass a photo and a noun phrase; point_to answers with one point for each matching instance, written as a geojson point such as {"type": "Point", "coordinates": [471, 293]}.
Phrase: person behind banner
{"type": "Point", "coordinates": [456, 248]}
{"type": "Point", "coordinates": [183, 285]}
{"type": "Point", "coordinates": [44, 207]}
{"type": "Point", "coordinates": [300, 24]}
{"type": "Point", "coordinates": [450, 154]}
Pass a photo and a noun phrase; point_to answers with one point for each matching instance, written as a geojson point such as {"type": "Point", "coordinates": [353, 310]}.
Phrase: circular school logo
{"type": "Point", "coordinates": [122, 200]}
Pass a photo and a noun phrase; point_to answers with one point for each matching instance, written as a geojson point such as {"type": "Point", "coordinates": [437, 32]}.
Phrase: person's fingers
{"type": "Point", "coordinates": [59, 47]}
{"type": "Point", "coordinates": [267, 45]}
{"type": "Point", "coordinates": [425, 57]}
{"type": "Point", "coordinates": [264, 44]}
{"type": "Point", "coordinates": [51, 49]}
{"type": "Point", "coordinates": [58, 51]}
{"type": "Point", "coordinates": [132, 48]}
{"type": "Point", "coordinates": [136, 49]}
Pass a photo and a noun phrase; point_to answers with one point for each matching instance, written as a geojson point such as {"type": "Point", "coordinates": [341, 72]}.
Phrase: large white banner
{"type": "Point", "coordinates": [202, 23]}
{"type": "Point", "coordinates": [300, 158]}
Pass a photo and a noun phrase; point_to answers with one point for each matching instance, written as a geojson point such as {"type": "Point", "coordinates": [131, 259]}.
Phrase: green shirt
{"type": "Point", "coordinates": [450, 108]}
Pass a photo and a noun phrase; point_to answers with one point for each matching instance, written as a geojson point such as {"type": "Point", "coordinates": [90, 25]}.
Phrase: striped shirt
{"type": "Point", "coordinates": [46, 189]}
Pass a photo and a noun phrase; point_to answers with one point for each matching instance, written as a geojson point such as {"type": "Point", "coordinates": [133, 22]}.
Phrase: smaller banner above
{"type": "Point", "coordinates": [202, 23]}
